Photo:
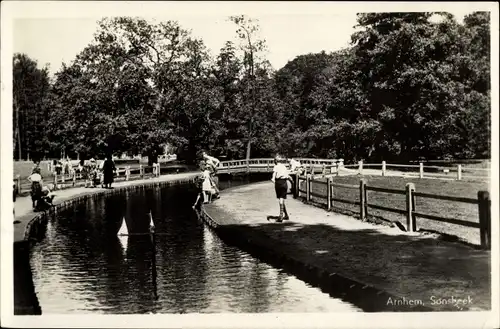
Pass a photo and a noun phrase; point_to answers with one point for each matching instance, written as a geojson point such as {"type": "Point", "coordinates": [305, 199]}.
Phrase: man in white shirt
{"type": "Point", "coordinates": [280, 178]}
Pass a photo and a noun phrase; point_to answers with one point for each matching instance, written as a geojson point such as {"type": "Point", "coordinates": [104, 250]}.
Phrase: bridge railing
{"type": "Point", "coordinates": [267, 164]}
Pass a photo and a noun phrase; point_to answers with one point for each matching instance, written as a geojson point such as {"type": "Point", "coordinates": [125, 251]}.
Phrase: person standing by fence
{"type": "Point", "coordinates": [36, 183]}
{"type": "Point", "coordinates": [280, 178]}
{"type": "Point", "coordinates": [108, 171]}
{"type": "Point", "coordinates": [295, 169]}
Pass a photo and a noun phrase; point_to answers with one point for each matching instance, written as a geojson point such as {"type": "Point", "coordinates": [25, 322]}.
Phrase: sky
{"type": "Point", "coordinates": [290, 30]}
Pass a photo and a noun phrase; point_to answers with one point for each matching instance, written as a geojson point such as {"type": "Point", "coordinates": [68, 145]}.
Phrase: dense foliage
{"type": "Point", "coordinates": [410, 86]}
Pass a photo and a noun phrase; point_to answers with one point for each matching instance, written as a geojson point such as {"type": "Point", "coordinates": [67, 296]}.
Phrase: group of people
{"type": "Point", "coordinates": [95, 175]}
{"type": "Point", "coordinates": [62, 166]}
{"type": "Point", "coordinates": [208, 181]}
{"type": "Point", "coordinates": [41, 195]}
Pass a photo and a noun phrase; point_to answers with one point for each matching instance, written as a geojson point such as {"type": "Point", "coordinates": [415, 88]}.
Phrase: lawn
{"type": "Point", "coordinates": [447, 209]}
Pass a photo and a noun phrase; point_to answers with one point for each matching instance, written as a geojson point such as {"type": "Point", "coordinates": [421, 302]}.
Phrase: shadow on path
{"type": "Point", "coordinates": [413, 268]}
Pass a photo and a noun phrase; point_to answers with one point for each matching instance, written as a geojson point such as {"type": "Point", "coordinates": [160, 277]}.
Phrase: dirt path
{"type": "Point", "coordinates": [409, 265]}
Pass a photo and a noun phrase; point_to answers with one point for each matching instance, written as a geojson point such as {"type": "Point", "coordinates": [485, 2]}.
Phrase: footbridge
{"type": "Point", "coordinates": [314, 166]}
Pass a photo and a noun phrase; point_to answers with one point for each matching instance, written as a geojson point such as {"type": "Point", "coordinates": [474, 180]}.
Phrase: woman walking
{"type": "Point", "coordinates": [280, 179]}
{"type": "Point", "coordinates": [108, 171]}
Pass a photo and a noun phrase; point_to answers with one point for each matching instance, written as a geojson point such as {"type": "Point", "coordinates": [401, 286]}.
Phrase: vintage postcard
{"type": "Point", "coordinates": [249, 164]}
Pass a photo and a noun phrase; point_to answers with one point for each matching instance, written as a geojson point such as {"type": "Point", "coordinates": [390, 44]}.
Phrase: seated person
{"type": "Point", "coordinates": [45, 201]}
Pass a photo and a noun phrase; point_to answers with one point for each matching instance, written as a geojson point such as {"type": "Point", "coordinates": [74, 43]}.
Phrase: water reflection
{"type": "Point", "coordinates": [83, 267]}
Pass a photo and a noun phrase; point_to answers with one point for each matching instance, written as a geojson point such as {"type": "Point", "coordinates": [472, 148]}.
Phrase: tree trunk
{"type": "Point", "coordinates": [249, 147]}
{"type": "Point", "coordinates": [18, 131]}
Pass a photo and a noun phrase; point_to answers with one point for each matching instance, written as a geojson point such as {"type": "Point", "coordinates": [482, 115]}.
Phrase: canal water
{"type": "Point", "coordinates": [81, 266]}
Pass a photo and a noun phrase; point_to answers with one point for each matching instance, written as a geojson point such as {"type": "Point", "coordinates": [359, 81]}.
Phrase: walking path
{"type": "Point", "coordinates": [410, 266]}
{"type": "Point", "coordinates": [24, 212]}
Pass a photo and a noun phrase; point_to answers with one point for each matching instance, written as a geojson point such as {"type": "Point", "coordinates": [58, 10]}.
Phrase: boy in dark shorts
{"type": "Point", "coordinates": [280, 179]}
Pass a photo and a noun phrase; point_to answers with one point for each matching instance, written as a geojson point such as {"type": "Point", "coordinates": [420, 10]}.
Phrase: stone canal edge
{"type": "Point", "coordinates": [29, 227]}
{"type": "Point", "coordinates": [366, 297]}
{"type": "Point", "coordinates": [374, 267]}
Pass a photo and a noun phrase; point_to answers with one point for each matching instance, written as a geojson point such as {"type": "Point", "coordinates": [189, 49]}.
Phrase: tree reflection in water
{"type": "Point", "coordinates": [82, 267]}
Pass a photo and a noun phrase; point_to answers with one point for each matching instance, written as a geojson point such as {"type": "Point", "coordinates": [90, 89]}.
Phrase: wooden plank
{"type": "Point", "coordinates": [322, 196]}
{"type": "Point", "coordinates": [402, 165]}
{"type": "Point", "coordinates": [385, 190]}
{"type": "Point", "coordinates": [374, 206]}
{"type": "Point", "coordinates": [447, 198]}
{"type": "Point", "coordinates": [447, 220]}
{"type": "Point", "coordinates": [345, 185]}
{"type": "Point", "coordinates": [346, 201]}
{"type": "Point", "coordinates": [320, 182]}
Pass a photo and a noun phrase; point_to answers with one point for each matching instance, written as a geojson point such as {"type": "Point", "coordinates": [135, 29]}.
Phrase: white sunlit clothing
{"type": "Point", "coordinates": [213, 161]}
{"type": "Point", "coordinates": [207, 184]}
{"type": "Point", "coordinates": [294, 164]}
{"type": "Point", "coordinates": [280, 171]}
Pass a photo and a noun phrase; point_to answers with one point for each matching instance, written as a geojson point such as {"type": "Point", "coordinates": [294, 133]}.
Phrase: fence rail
{"type": "Point", "coordinates": [483, 201]}
{"type": "Point", "coordinates": [446, 198]}
{"type": "Point", "coordinates": [334, 166]}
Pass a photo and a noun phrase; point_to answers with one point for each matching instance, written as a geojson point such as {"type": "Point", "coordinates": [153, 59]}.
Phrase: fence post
{"type": "Point", "coordinates": [297, 192]}
{"type": "Point", "coordinates": [329, 193]}
{"type": "Point", "coordinates": [459, 172]}
{"type": "Point", "coordinates": [362, 200]}
{"type": "Point", "coordinates": [18, 183]}
{"type": "Point", "coordinates": [74, 177]}
{"type": "Point", "coordinates": [410, 203]}
{"type": "Point", "coordinates": [308, 187]}
{"type": "Point", "coordinates": [360, 163]}
{"type": "Point", "coordinates": [421, 170]}
{"type": "Point", "coordinates": [383, 168]}
{"type": "Point", "coordinates": [324, 170]}
{"type": "Point", "coordinates": [141, 171]}
{"type": "Point", "coordinates": [484, 218]}
{"type": "Point", "coordinates": [55, 181]}
{"type": "Point", "coordinates": [267, 166]}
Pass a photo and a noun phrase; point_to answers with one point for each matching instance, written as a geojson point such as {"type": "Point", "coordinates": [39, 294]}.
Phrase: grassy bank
{"type": "Point", "coordinates": [448, 209]}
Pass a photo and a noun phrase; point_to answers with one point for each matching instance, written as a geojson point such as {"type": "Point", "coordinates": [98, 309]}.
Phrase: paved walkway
{"type": "Point", "coordinates": [24, 212]}
{"type": "Point", "coordinates": [408, 265]}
